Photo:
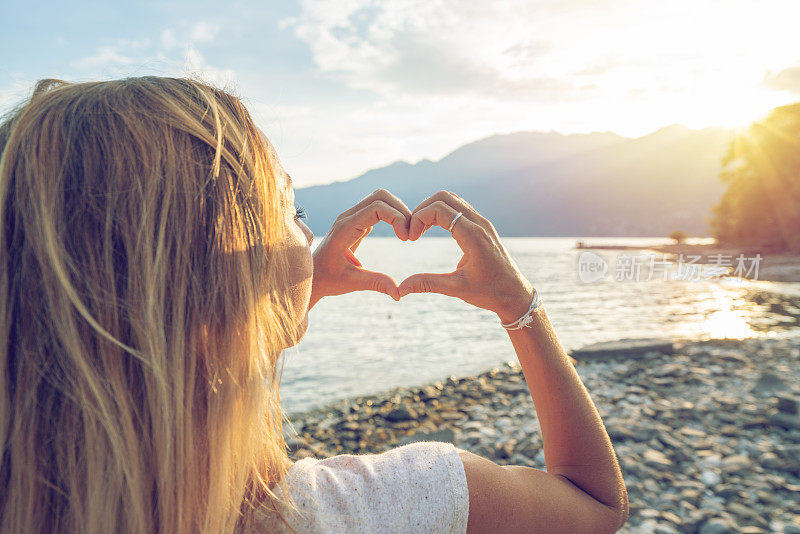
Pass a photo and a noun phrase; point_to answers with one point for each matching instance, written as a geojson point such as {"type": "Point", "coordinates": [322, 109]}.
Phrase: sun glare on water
{"type": "Point", "coordinates": [726, 316]}
{"type": "Point", "coordinates": [727, 324]}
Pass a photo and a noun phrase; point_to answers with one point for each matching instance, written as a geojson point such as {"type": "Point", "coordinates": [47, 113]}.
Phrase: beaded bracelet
{"type": "Point", "coordinates": [527, 319]}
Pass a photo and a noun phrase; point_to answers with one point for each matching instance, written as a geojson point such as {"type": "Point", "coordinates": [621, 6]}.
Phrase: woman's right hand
{"type": "Point", "coordinates": [486, 276]}
{"type": "Point", "coordinates": [336, 269]}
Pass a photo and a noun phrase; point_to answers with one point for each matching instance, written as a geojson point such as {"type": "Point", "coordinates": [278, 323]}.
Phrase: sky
{"type": "Point", "coordinates": [342, 86]}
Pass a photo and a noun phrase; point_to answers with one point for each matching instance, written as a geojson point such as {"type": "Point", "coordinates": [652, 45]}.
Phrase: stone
{"type": "Point", "coordinates": [770, 460]}
{"type": "Point", "coordinates": [430, 392]}
{"type": "Point", "coordinates": [693, 520]}
{"type": "Point", "coordinates": [348, 425]}
{"type": "Point", "coordinates": [484, 451]}
{"type": "Point", "coordinates": [619, 432]}
{"type": "Point", "coordinates": [656, 459]}
{"type": "Point", "coordinates": [649, 513]}
{"type": "Point", "coordinates": [769, 383]}
{"type": "Point", "coordinates": [734, 357]}
{"type": "Point", "coordinates": [670, 441]}
{"type": "Point", "coordinates": [672, 518]}
{"type": "Point", "coordinates": [710, 478]}
{"type": "Point", "coordinates": [631, 432]}
{"type": "Point", "coordinates": [401, 414]}
{"type": "Point", "coordinates": [709, 459]}
{"type": "Point", "coordinates": [788, 404]}
{"type": "Point", "coordinates": [756, 422]}
{"type": "Point", "coordinates": [514, 389]}
{"type": "Point", "coordinates": [663, 528]}
{"type": "Point", "coordinates": [736, 464]}
{"type": "Point", "coordinates": [717, 525]}
{"type": "Point", "coordinates": [624, 348]}
{"type": "Point", "coordinates": [741, 510]}
{"type": "Point", "coordinates": [505, 449]}
{"type": "Point", "coordinates": [766, 497]}
{"type": "Point", "coordinates": [726, 491]}
{"type": "Point", "coordinates": [785, 420]}
{"type": "Point", "coordinates": [690, 494]}
{"type": "Point", "coordinates": [446, 435]}
{"type": "Point", "coordinates": [651, 486]}
{"type": "Point", "coordinates": [692, 432]}
{"type": "Point", "coordinates": [648, 525]}
{"type": "Point", "coordinates": [695, 454]}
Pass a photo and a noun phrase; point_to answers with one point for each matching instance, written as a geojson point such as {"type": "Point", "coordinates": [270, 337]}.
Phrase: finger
{"type": "Point", "coordinates": [354, 226]}
{"type": "Point", "coordinates": [352, 257]}
{"type": "Point", "coordinates": [364, 280]}
{"type": "Point", "coordinates": [459, 204]}
{"type": "Point", "coordinates": [354, 246]}
{"type": "Point", "coordinates": [383, 195]}
{"type": "Point", "coordinates": [465, 232]}
{"type": "Point", "coordinates": [442, 283]}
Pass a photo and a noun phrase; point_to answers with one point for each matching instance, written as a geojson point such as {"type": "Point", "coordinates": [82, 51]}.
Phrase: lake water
{"type": "Point", "coordinates": [365, 342]}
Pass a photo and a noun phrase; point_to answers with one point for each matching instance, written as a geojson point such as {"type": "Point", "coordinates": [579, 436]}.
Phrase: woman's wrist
{"type": "Point", "coordinates": [516, 305]}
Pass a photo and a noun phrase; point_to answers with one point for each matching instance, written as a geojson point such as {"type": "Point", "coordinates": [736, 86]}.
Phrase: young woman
{"type": "Point", "coordinates": [153, 268]}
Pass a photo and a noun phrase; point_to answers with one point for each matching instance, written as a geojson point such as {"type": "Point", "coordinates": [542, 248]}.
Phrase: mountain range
{"type": "Point", "coordinates": [550, 184]}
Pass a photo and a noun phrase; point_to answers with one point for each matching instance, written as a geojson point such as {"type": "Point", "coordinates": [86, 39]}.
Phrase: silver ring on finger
{"type": "Point", "coordinates": [453, 222]}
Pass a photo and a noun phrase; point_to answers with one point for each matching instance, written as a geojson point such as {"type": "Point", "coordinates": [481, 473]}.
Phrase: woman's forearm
{"type": "Point", "coordinates": [577, 447]}
{"type": "Point", "coordinates": [576, 444]}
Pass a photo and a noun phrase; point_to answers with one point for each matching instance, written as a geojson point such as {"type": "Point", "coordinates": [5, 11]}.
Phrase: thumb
{"type": "Point", "coordinates": [444, 284]}
{"type": "Point", "coordinates": [372, 281]}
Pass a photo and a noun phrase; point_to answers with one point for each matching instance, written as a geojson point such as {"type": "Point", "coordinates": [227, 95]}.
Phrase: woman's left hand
{"type": "Point", "coordinates": [336, 268]}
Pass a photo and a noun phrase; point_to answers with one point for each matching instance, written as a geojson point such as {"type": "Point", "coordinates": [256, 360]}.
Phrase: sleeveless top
{"type": "Point", "coordinates": [419, 487]}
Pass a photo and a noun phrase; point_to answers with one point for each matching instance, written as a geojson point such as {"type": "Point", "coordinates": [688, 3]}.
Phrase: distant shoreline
{"type": "Point", "coordinates": [774, 266]}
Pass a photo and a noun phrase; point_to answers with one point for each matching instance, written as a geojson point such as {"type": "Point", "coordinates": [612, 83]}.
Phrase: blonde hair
{"type": "Point", "coordinates": [144, 304]}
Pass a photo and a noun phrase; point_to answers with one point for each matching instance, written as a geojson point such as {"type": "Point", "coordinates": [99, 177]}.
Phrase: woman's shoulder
{"type": "Point", "coordinates": [418, 487]}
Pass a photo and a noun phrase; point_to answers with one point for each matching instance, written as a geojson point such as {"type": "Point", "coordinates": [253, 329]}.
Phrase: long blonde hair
{"type": "Point", "coordinates": [144, 304]}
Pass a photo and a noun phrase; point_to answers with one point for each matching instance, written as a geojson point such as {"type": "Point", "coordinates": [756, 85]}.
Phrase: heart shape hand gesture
{"type": "Point", "coordinates": [486, 276]}
{"type": "Point", "coordinates": [336, 268]}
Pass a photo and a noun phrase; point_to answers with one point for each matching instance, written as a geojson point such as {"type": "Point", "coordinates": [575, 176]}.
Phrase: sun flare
{"type": "Point", "coordinates": [728, 324]}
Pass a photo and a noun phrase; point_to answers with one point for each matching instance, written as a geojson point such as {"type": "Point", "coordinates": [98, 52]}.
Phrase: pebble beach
{"type": "Point", "coordinates": [707, 433]}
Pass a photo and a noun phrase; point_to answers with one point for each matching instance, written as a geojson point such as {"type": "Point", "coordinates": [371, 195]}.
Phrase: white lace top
{"type": "Point", "coordinates": [420, 487]}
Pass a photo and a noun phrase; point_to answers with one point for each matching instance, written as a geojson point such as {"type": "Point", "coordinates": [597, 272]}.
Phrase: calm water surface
{"type": "Point", "coordinates": [365, 342]}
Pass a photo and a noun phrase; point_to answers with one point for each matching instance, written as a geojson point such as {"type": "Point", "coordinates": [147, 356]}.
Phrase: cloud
{"type": "Point", "coordinates": [189, 34]}
{"type": "Point", "coordinates": [525, 51]}
{"type": "Point", "coordinates": [105, 57]}
{"type": "Point", "coordinates": [196, 63]}
{"type": "Point", "coordinates": [430, 75]}
{"type": "Point", "coordinates": [785, 80]}
{"type": "Point", "coordinates": [169, 39]}
{"type": "Point", "coordinates": [450, 47]}
{"type": "Point", "coordinates": [543, 50]}
{"type": "Point", "coordinates": [203, 31]}
{"type": "Point", "coordinates": [176, 51]}
{"type": "Point", "coordinates": [344, 85]}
